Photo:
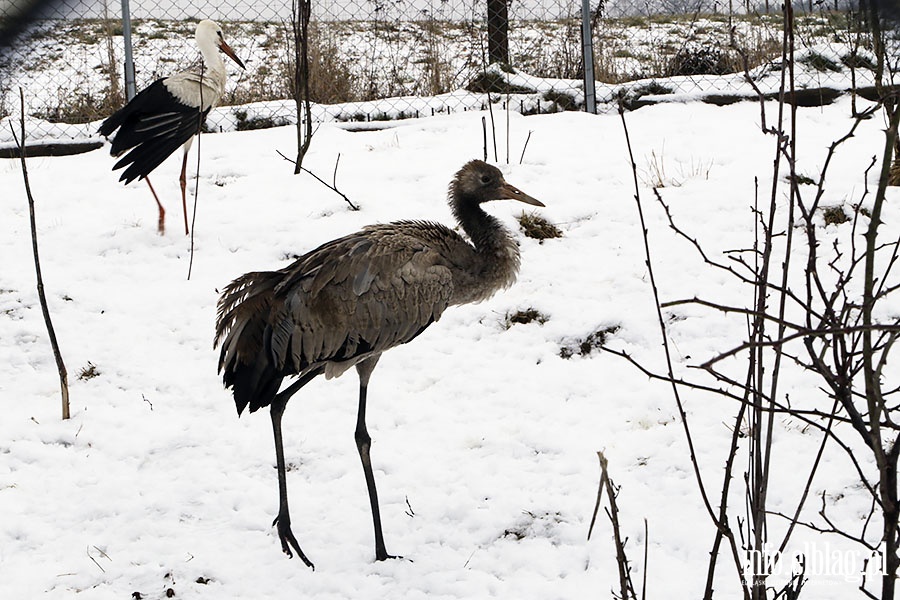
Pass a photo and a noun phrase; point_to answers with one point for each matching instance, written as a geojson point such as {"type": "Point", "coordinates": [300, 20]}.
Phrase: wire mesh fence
{"type": "Point", "coordinates": [388, 59]}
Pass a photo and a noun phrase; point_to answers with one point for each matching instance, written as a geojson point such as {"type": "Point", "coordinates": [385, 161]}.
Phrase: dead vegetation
{"type": "Point", "coordinates": [835, 215]}
{"type": "Point", "coordinates": [537, 227]}
{"type": "Point", "coordinates": [595, 340]}
{"type": "Point", "coordinates": [88, 372]}
{"type": "Point", "coordinates": [525, 316]}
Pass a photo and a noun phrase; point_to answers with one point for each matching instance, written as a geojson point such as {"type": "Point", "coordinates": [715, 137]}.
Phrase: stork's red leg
{"type": "Point", "coordinates": [161, 225]}
{"type": "Point", "coordinates": [183, 182]}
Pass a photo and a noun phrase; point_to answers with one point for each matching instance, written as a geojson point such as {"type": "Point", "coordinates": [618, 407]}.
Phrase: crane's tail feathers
{"type": "Point", "coordinates": [253, 385]}
{"type": "Point", "coordinates": [244, 361]}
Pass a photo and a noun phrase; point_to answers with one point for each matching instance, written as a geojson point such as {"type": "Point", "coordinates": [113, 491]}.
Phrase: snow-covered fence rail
{"type": "Point", "coordinates": [389, 59]}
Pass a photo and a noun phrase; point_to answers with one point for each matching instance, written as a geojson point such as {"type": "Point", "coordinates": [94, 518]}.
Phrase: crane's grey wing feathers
{"type": "Point", "coordinates": [349, 299]}
{"type": "Point", "coordinates": [359, 295]}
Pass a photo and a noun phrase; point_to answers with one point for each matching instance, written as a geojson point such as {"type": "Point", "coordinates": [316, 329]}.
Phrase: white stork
{"type": "Point", "coordinates": [168, 113]}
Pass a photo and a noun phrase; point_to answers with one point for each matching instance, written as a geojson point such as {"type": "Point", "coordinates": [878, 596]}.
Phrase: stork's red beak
{"type": "Point", "coordinates": [230, 53]}
{"type": "Point", "coordinates": [510, 192]}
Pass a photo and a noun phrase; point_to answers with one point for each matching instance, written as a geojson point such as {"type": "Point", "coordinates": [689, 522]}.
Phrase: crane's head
{"type": "Point", "coordinates": [480, 182]}
{"type": "Point", "coordinates": [209, 35]}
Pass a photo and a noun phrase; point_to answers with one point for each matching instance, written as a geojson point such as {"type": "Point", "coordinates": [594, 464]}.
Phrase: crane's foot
{"type": "Point", "coordinates": [381, 554]}
{"type": "Point", "coordinates": [288, 540]}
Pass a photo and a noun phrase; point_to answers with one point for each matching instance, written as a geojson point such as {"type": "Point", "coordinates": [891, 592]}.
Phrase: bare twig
{"type": "Point", "coordinates": [301, 11]}
{"type": "Point", "coordinates": [600, 488]}
{"type": "Point", "coordinates": [60, 365]}
{"type": "Point", "coordinates": [527, 139]}
{"type": "Point", "coordinates": [726, 532]}
{"type": "Point", "coordinates": [801, 333]}
{"type": "Point", "coordinates": [886, 452]}
{"type": "Point", "coordinates": [197, 178]}
{"type": "Point", "coordinates": [484, 135]}
{"type": "Point", "coordinates": [94, 560]}
{"type": "Point", "coordinates": [808, 487]}
{"type": "Point", "coordinates": [626, 587]}
{"type": "Point", "coordinates": [493, 127]}
{"type": "Point", "coordinates": [662, 325]}
{"type": "Point", "coordinates": [332, 186]}
{"type": "Point", "coordinates": [646, 551]}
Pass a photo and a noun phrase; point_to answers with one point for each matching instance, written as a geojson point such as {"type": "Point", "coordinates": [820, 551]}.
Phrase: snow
{"type": "Point", "coordinates": [484, 438]}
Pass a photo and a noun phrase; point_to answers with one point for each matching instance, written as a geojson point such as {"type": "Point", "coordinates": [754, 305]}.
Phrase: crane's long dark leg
{"type": "Point", "coordinates": [283, 520]}
{"type": "Point", "coordinates": [161, 224]}
{"type": "Point", "coordinates": [183, 181]}
{"type": "Point", "coordinates": [363, 444]}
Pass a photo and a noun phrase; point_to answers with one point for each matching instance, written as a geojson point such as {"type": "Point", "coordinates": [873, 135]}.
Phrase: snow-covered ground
{"type": "Point", "coordinates": [484, 436]}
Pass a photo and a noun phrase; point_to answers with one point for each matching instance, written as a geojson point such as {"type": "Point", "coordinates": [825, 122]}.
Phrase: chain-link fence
{"type": "Point", "coordinates": [389, 59]}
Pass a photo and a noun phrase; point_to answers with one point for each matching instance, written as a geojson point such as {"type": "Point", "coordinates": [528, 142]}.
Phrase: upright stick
{"type": "Point", "coordinates": [60, 366]}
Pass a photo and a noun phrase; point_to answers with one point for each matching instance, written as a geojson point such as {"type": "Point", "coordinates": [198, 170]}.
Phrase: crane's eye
{"type": "Point", "coordinates": [486, 179]}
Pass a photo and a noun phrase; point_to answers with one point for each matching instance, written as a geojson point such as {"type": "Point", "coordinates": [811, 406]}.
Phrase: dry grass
{"type": "Point", "coordinates": [537, 227]}
{"type": "Point", "coordinates": [331, 77]}
{"type": "Point", "coordinates": [835, 215]}
{"type": "Point", "coordinates": [82, 107]}
{"type": "Point", "coordinates": [655, 173]}
{"type": "Point", "coordinates": [524, 317]}
{"type": "Point", "coordinates": [587, 345]}
{"type": "Point", "coordinates": [88, 372]}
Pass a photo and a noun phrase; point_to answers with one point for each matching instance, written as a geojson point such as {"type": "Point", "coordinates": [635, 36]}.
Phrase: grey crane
{"type": "Point", "coordinates": [168, 113]}
{"type": "Point", "coordinates": [346, 302]}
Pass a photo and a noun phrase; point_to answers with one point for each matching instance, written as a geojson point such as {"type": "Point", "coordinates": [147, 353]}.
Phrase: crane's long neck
{"type": "Point", "coordinates": [496, 257]}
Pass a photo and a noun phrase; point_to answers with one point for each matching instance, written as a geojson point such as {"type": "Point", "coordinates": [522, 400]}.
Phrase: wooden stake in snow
{"type": "Point", "coordinates": [61, 367]}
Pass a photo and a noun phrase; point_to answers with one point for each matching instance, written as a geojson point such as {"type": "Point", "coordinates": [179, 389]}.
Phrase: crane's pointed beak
{"type": "Point", "coordinates": [230, 53]}
{"type": "Point", "coordinates": [510, 192]}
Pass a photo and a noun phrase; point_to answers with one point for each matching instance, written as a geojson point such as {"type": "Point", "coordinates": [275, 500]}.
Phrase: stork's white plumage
{"type": "Point", "coordinates": [168, 113]}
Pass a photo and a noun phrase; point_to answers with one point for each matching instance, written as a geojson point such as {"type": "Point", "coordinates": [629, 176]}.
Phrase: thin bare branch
{"type": "Point", "coordinates": [330, 186]}
{"type": "Point", "coordinates": [662, 325]}
{"type": "Point", "coordinates": [45, 310]}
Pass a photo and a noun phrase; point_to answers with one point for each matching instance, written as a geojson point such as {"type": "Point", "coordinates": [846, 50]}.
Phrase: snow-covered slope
{"type": "Point", "coordinates": [484, 436]}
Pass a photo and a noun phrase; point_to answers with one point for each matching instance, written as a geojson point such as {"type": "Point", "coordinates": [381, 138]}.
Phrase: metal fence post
{"type": "Point", "coordinates": [129, 57]}
{"type": "Point", "coordinates": [587, 51]}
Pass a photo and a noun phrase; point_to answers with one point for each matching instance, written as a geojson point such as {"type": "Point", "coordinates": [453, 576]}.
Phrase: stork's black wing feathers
{"type": "Point", "coordinates": [153, 125]}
